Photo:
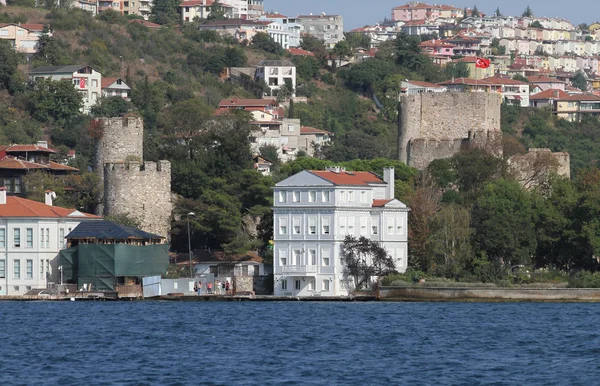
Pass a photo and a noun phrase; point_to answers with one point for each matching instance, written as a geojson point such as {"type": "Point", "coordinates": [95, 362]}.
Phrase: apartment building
{"type": "Point", "coordinates": [329, 28]}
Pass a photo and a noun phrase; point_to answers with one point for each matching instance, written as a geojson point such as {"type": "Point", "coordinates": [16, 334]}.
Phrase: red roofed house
{"type": "Point", "coordinates": [311, 139]}
{"type": "Point", "coordinates": [546, 98]}
{"type": "Point", "coordinates": [31, 235]}
{"type": "Point", "coordinates": [18, 160]}
{"type": "Point", "coordinates": [115, 87]}
{"type": "Point", "coordinates": [416, 11]}
{"type": "Point", "coordinates": [271, 128]}
{"type": "Point", "coordinates": [513, 91]}
{"type": "Point", "coordinates": [299, 52]}
{"type": "Point", "coordinates": [315, 210]}
{"type": "Point", "coordinates": [22, 37]}
{"type": "Point", "coordinates": [573, 107]}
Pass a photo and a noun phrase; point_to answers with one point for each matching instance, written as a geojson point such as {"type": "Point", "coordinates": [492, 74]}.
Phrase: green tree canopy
{"type": "Point", "coordinates": [9, 61]}
{"type": "Point", "coordinates": [503, 226]}
{"type": "Point", "coordinates": [54, 102]}
{"type": "Point", "coordinates": [265, 42]}
{"type": "Point", "coordinates": [528, 12]}
{"type": "Point", "coordinates": [110, 107]}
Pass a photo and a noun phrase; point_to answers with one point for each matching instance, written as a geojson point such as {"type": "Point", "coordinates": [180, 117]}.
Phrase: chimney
{"type": "Point", "coordinates": [3, 196]}
{"type": "Point", "coordinates": [389, 177]}
{"type": "Point", "coordinates": [50, 196]}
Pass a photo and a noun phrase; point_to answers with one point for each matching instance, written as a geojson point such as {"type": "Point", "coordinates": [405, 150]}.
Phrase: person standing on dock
{"type": "Point", "coordinates": [209, 288]}
{"type": "Point", "coordinates": [218, 287]}
{"type": "Point", "coordinates": [199, 288]}
{"type": "Point", "coordinates": [227, 287]}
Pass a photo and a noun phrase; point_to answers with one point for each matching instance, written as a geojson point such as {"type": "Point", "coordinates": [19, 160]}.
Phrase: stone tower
{"type": "Point", "coordinates": [141, 190]}
{"type": "Point", "coordinates": [439, 125]}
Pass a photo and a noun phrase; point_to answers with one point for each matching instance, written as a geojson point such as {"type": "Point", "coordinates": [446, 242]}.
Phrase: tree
{"type": "Point", "coordinates": [475, 12]}
{"type": "Point", "coordinates": [216, 11]}
{"type": "Point", "coordinates": [528, 12]}
{"type": "Point", "coordinates": [520, 78]}
{"type": "Point", "coordinates": [457, 70]}
{"type": "Point", "coordinates": [110, 107]}
{"type": "Point", "coordinates": [450, 240]}
{"type": "Point", "coordinates": [356, 40]}
{"type": "Point", "coordinates": [474, 169]}
{"type": "Point", "coordinates": [364, 260]}
{"type": "Point", "coordinates": [498, 13]}
{"type": "Point", "coordinates": [265, 42]}
{"type": "Point", "coordinates": [165, 12]}
{"type": "Point", "coordinates": [270, 152]}
{"type": "Point", "coordinates": [580, 81]}
{"type": "Point", "coordinates": [52, 51]}
{"type": "Point", "coordinates": [503, 227]}
{"type": "Point", "coordinates": [536, 24]}
{"type": "Point", "coordinates": [9, 61]}
{"type": "Point", "coordinates": [497, 49]}
{"type": "Point", "coordinates": [342, 50]}
{"type": "Point", "coordinates": [54, 102]}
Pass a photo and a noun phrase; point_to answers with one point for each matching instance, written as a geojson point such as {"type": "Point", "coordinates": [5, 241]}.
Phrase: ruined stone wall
{"type": "Point", "coordinates": [142, 191]}
{"type": "Point", "coordinates": [435, 125]}
{"type": "Point", "coordinates": [120, 139]}
{"type": "Point", "coordinates": [534, 168]}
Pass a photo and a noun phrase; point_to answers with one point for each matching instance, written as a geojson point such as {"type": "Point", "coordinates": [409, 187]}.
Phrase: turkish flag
{"type": "Point", "coordinates": [482, 63]}
{"type": "Point", "coordinates": [81, 82]}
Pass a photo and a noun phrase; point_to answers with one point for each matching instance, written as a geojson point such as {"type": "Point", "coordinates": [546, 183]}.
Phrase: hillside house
{"type": "Point", "coordinates": [16, 161]}
{"type": "Point", "coordinates": [23, 38]}
{"type": "Point", "coordinates": [115, 87]}
{"type": "Point", "coordinates": [277, 73]}
{"type": "Point", "coordinates": [85, 79]}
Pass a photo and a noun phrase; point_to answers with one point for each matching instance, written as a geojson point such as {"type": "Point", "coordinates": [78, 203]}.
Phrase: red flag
{"type": "Point", "coordinates": [81, 82]}
{"type": "Point", "coordinates": [482, 63]}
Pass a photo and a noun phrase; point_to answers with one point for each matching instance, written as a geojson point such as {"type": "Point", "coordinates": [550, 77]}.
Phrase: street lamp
{"type": "Point", "coordinates": [60, 268]}
{"type": "Point", "coordinates": [191, 214]}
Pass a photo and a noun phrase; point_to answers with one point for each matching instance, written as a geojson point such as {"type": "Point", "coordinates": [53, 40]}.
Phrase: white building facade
{"type": "Point", "coordinates": [276, 73]}
{"type": "Point", "coordinates": [315, 210]}
{"type": "Point", "coordinates": [31, 236]}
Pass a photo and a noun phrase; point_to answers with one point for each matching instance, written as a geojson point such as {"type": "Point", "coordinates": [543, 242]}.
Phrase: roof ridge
{"type": "Point", "coordinates": [23, 202]}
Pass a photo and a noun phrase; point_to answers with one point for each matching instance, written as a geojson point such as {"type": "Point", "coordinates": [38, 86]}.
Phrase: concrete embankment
{"type": "Point", "coordinates": [459, 294]}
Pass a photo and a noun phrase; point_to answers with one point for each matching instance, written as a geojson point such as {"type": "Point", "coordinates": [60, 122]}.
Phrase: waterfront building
{"type": "Point", "coordinates": [31, 236]}
{"type": "Point", "coordinates": [315, 210]}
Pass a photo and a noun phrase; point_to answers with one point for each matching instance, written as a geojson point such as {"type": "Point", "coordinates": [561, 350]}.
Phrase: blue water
{"type": "Point", "coordinates": [182, 343]}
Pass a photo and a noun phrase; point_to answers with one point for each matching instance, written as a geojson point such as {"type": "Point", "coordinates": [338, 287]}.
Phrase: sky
{"type": "Point", "coordinates": [357, 13]}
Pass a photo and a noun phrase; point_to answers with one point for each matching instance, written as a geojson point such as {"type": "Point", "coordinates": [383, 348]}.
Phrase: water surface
{"type": "Point", "coordinates": [181, 343]}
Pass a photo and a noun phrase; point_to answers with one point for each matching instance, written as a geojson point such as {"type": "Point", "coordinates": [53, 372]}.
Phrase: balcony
{"type": "Point", "coordinates": [296, 269]}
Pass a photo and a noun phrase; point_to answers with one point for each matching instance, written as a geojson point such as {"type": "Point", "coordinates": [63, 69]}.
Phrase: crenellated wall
{"type": "Point", "coordinates": [438, 125]}
{"type": "Point", "coordinates": [141, 190]}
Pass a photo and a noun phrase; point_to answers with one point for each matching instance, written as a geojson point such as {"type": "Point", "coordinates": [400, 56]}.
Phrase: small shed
{"type": "Point", "coordinates": [112, 257]}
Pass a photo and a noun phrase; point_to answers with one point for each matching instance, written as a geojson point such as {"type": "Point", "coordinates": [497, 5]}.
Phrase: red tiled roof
{"type": "Point", "coordinates": [543, 79]}
{"type": "Point", "coordinates": [23, 148]}
{"type": "Point", "coordinates": [581, 97]}
{"type": "Point", "coordinates": [275, 16]}
{"type": "Point", "coordinates": [312, 130]}
{"type": "Point", "coordinates": [381, 203]}
{"type": "Point", "coordinates": [33, 27]}
{"type": "Point", "coordinates": [423, 84]}
{"type": "Point", "coordinates": [551, 93]}
{"type": "Point", "coordinates": [15, 163]}
{"type": "Point", "coordinates": [348, 178]}
{"type": "Point", "coordinates": [436, 43]}
{"type": "Point", "coordinates": [417, 6]}
{"type": "Point", "coordinates": [460, 81]}
{"type": "Point", "coordinates": [21, 207]}
{"type": "Point", "coordinates": [505, 81]}
{"type": "Point", "coordinates": [235, 102]}
{"type": "Point", "coordinates": [300, 52]}
{"type": "Point", "coordinates": [145, 23]}
{"type": "Point", "coordinates": [108, 81]}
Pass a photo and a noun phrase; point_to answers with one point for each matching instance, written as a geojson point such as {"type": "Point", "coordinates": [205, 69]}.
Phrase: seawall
{"type": "Point", "coordinates": [483, 294]}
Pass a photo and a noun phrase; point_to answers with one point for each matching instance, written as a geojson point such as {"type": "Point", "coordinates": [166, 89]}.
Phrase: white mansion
{"type": "Point", "coordinates": [31, 235]}
{"type": "Point", "coordinates": [313, 213]}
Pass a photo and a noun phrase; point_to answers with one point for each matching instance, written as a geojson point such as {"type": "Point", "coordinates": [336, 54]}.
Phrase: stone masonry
{"type": "Point", "coordinates": [534, 167]}
{"type": "Point", "coordinates": [141, 190]}
{"type": "Point", "coordinates": [438, 125]}
{"type": "Point", "coordinates": [121, 139]}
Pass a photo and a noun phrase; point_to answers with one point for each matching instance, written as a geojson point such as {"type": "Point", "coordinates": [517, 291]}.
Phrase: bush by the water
{"type": "Point", "coordinates": [585, 279]}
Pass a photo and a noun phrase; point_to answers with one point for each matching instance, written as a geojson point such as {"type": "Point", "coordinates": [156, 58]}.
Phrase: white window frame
{"type": "Point", "coordinates": [297, 285]}
{"type": "Point", "coordinates": [312, 257]}
{"type": "Point", "coordinates": [16, 269]}
{"type": "Point", "coordinates": [16, 237]}
{"type": "Point", "coordinates": [296, 196]}
{"type": "Point", "coordinates": [399, 225]}
{"type": "Point", "coordinates": [325, 196]}
{"type": "Point", "coordinates": [342, 196]}
{"type": "Point", "coordinates": [2, 269]}
{"type": "Point", "coordinates": [343, 228]}
{"type": "Point", "coordinates": [363, 226]}
{"type": "Point", "coordinates": [28, 237]}
{"type": "Point", "coordinates": [390, 227]}
{"type": "Point", "coordinates": [282, 196]}
{"type": "Point", "coordinates": [325, 226]}
{"type": "Point", "coordinates": [283, 226]}
{"type": "Point", "coordinates": [29, 269]}
{"type": "Point", "coordinates": [311, 285]}
{"type": "Point", "coordinates": [283, 260]}
{"type": "Point", "coordinates": [351, 222]}
{"type": "Point", "coordinates": [284, 284]}
{"type": "Point", "coordinates": [374, 226]}
{"type": "Point", "coordinates": [296, 257]}
{"type": "Point", "coordinates": [2, 237]}
{"type": "Point", "coordinates": [351, 196]}
{"type": "Point", "coordinates": [325, 258]}
{"type": "Point", "coordinates": [296, 226]}
{"type": "Point", "coordinates": [363, 196]}
{"type": "Point", "coordinates": [325, 285]}
{"type": "Point", "coordinates": [312, 196]}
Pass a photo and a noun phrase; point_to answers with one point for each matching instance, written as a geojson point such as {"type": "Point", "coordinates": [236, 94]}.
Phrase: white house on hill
{"type": "Point", "coordinates": [313, 213]}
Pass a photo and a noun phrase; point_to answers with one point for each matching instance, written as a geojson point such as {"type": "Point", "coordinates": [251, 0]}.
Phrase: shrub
{"type": "Point", "coordinates": [585, 279]}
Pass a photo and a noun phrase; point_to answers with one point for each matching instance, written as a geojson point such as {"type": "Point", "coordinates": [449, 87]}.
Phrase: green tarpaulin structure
{"type": "Point", "coordinates": [100, 264]}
